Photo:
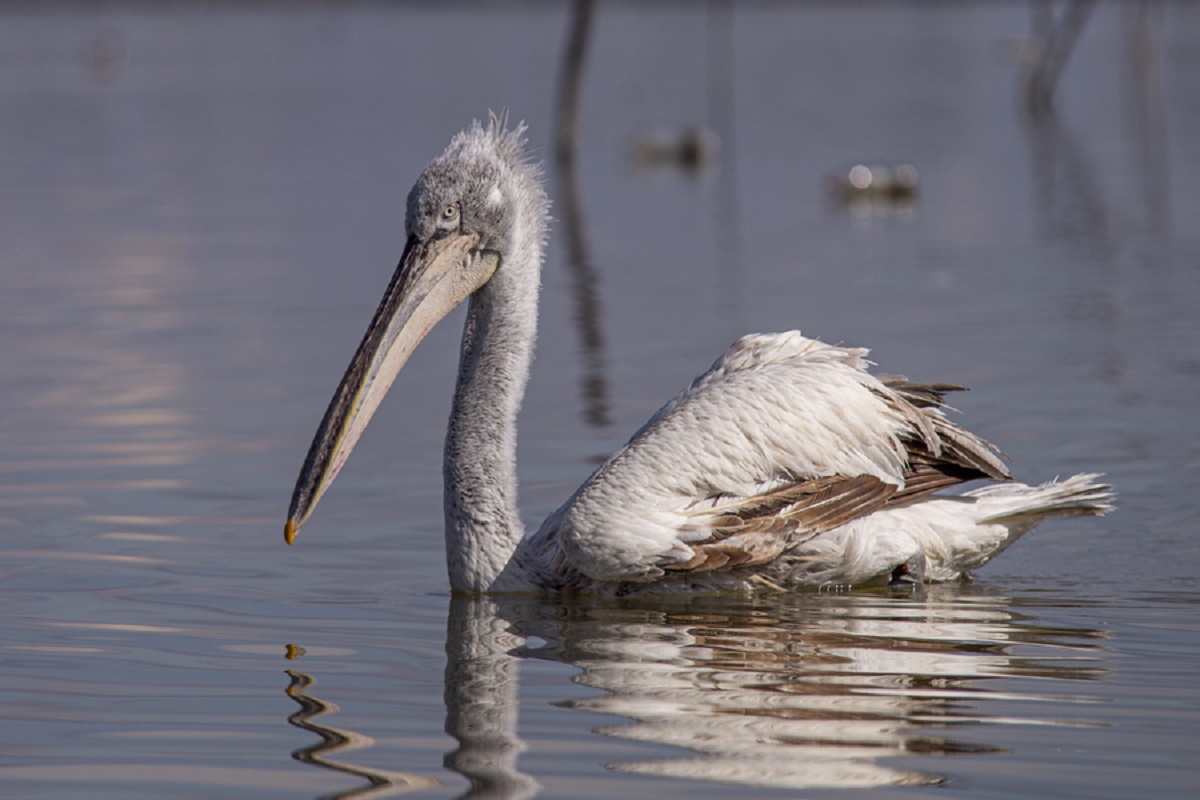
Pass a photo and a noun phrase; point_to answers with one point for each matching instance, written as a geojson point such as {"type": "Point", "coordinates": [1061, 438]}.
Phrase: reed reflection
{"type": "Point", "coordinates": [1108, 211]}
{"type": "Point", "coordinates": [795, 692]}
{"type": "Point", "coordinates": [1054, 40]}
{"type": "Point", "coordinates": [588, 316]}
{"type": "Point", "coordinates": [1069, 184]}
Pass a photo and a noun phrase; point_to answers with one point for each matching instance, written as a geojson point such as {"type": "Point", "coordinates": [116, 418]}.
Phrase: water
{"type": "Point", "coordinates": [199, 209]}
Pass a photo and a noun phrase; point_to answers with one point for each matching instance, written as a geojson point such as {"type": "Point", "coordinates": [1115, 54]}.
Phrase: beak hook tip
{"type": "Point", "coordinates": [289, 532]}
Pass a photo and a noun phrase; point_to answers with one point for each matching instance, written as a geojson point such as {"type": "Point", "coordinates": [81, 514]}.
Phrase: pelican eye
{"type": "Point", "coordinates": [449, 215]}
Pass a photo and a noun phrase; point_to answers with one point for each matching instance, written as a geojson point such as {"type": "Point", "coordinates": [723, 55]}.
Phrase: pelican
{"type": "Point", "coordinates": [786, 465]}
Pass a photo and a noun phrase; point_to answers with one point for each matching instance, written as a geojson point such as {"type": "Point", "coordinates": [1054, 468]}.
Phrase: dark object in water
{"type": "Point", "coordinates": [689, 148]}
{"type": "Point", "coordinates": [875, 182]}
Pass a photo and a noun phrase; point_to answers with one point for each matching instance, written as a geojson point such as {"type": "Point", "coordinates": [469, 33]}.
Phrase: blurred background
{"type": "Point", "coordinates": [201, 202]}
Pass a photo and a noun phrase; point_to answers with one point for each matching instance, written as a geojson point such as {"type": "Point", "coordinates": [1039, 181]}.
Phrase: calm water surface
{"type": "Point", "coordinates": [200, 207]}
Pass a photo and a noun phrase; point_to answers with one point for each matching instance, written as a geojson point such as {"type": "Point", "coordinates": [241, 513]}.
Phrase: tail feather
{"type": "Point", "coordinates": [1079, 495]}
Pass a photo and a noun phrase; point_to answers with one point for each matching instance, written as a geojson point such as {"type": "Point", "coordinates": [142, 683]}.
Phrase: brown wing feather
{"type": "Point", "coordinates": [940, 453]}
{"type": "Point", "coordinates": [755, 530]}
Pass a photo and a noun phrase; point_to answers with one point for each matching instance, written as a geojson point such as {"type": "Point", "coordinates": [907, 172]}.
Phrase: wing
{"type": "Point", "coordinates": [782, 439]}
{"type": "Point", "coordinates": [756, 530]}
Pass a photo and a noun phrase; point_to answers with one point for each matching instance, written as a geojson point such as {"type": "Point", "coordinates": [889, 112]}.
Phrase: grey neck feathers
{"type": "Point", "coordinates": [483, 525]}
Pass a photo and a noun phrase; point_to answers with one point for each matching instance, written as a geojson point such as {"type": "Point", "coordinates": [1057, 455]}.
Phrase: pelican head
{"type": "Point", "coordinates": [462, 216]}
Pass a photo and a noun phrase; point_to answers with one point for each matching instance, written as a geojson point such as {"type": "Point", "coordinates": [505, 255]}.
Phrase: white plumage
{"type": "Point", "coordinates": [787, 464]}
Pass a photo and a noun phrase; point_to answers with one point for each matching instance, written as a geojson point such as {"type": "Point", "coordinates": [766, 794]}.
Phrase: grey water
{"type": "Point", "coordinates": [200, 204]}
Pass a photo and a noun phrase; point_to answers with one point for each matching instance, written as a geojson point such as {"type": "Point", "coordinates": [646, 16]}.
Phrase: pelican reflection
{"type": "Point", "coordinates": [794, 691]}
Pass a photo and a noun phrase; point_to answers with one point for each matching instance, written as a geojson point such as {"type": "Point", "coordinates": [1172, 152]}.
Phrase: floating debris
{"type": "Point", "coordinates": [875, 188]}
{"type": "Point", "coordinates": [690, 148]}
{"type": "Point", "coordinates": [898, 182]}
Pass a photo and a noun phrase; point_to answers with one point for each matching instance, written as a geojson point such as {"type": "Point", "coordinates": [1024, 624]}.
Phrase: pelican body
{"type": "Point", "coordinates": [786, 465]}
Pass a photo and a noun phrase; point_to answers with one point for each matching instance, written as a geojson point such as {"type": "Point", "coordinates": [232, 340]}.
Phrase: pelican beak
{"type": "Point", "coordinates": [432, 278]}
